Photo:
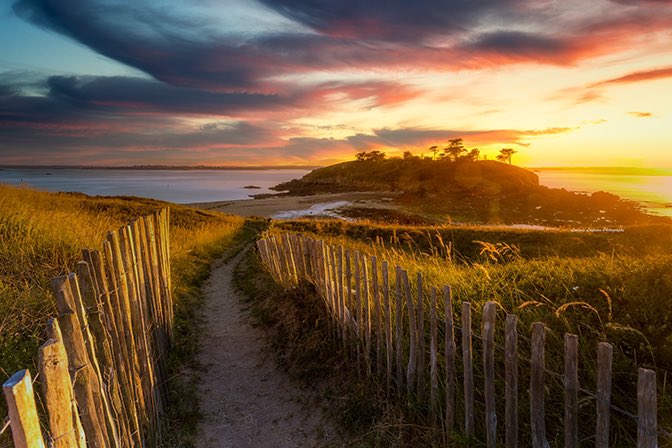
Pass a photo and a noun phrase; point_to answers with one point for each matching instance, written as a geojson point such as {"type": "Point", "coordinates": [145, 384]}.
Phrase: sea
{"type": "Point", "coordinates": [178, 186]}
{"type": "Point", "coordinates": [651, 187]}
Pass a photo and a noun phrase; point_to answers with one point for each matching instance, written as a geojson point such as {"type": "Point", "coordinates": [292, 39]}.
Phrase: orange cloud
{"type": "Point", "coordinates": [647, 75]}
{"type": "Point", "coordinates": [641, 114]}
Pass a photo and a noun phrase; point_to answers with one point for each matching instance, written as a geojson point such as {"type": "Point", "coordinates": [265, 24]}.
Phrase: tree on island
{"type": "Point", "coordinates": [434, 150]}
{"type": "Point", "coordinates": [505, 154]}
{"type": "Point", "coordinates": [457, 151]}
{"type": "Point", "coordinates": [408, 155]}
{"type": "Point", "coordinates": [454, 150]}
{"type": "Point", "coordinates": [371, 156]}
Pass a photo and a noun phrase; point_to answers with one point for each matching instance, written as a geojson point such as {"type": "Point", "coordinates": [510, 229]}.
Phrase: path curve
{"type": "Point", "coordinates": [245, 399]}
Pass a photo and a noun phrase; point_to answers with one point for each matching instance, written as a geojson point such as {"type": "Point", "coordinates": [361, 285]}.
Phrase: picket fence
{"type": "Point", "coordinates": [386, 331]}
{"type": "Point", "coordinates": [103, 369]}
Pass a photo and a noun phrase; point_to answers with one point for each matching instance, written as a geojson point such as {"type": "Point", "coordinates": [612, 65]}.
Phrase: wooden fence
{"type": "Point", "coordinates": [395, 336]}
{"type": "Point", "coordinates": [103, 370]}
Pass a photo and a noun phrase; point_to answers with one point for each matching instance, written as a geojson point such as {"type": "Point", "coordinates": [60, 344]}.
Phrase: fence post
{"type": "Point", "coordinates": [87, 385]}
{"type": "Point", "coordinates": [18, 390]}
{"type": "Point", "coordinates": [367, 315]}
{"type": "Point", "coordinates": [450, 354]}
{"type": "Point", "coordinates": [388, 324]}
{"type": "Point", "coordinates": [399, 329]}
{"type": "Point", "coordinates": [348, 299]}
{"type": "Point", "coordinates": [488, 335]}
{"type": "Point", "coordinates": [420, 332]}
{"type": "Point", "coordinates": [331, 254]}
{"type": "Point", "coordinates": [412, 335]}
{"type": "Point", "coordinates": [58, 395]}
{"type": "Point", "coordinates": [358, 310]}
{"type": "Point", "coordinates": [603, 404]}
{"type": "Point", "coordinates": [647, 421]}
{"type": "Point", "coordinates": [433, 361]}
{"type": "Point", "coordinates": [377, 315]}
{"type": "Point", "coordinates": [537, 415]}
{"type": "Point", "coordinates": [467, 361]}
{"type": "Point", "coordinates": [571, 384]}
{"type": "Point", "coordinates": [341, 301]}
{"type": "Point", "coordinates": [511, 386]}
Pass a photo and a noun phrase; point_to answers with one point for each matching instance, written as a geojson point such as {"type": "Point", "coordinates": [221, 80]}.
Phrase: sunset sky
{"type": "Point", "coordinates": [103, 82]}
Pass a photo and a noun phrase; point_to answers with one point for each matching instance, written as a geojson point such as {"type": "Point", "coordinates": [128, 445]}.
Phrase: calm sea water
{"type": "Point", "coordinates": [179, 186]}
{"type": "Point", "coordinates": [651, 187]}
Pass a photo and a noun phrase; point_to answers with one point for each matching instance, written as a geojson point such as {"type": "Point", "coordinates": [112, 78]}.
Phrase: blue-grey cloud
{"type": "Point", "coordinates": [189, 51]}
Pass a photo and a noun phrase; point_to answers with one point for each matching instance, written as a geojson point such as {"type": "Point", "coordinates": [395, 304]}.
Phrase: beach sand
{"type": "Point", "coordinates": [287, 206]}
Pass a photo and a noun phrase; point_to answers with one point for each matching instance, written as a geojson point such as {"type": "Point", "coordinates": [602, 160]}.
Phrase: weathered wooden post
{"type": "Point", "coordinates": [571, 384]}
{"type": "Point", "coordinates": [59, 396]}
{"type": "Point", "coordinates": [488, 336]}
{"type": "Point", "coordinates": [511, 380]}
{"type": "Point", "coordinates": [603, 404]}
{"type": "Point", "coordinates": [18, 390]}
{"type": "Point", "coordinates": [647, 420]}
{"type": "Point", "coordinates": [467, 361]}
{"type": "Point", "coordinates": [537, 415]}
{"type": "Point", "coordinates": [433, 358]}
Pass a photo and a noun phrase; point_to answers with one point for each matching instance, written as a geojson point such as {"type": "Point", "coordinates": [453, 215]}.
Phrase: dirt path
{"type": "Point", "coordinates": [247, 401]}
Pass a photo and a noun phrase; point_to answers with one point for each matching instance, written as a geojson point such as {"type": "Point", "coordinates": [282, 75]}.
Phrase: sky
{"type": "Point", "coordinates": [312, 82]}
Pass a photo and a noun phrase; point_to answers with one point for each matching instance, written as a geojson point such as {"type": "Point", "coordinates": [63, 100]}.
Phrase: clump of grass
{"type": "Point", "coordinates": [42, 235]}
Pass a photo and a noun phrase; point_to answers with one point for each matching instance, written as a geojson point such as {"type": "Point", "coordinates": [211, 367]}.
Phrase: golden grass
{"type": "Point", "coordinates": [42, 235]}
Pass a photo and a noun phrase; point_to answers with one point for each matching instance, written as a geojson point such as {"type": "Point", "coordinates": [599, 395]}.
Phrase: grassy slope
{"type": "Point", "coordinates": [42, 234]}
{"type": "Point", "coordinates": [603, 287]}
{"type": "Point", "coordinates": [415, 175]}
{"type": "Point", "coordinates": [482, 192]}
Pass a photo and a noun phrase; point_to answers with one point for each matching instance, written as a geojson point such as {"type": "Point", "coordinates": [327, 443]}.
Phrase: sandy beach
{"type": "Point", "coordinates": [286, 207]}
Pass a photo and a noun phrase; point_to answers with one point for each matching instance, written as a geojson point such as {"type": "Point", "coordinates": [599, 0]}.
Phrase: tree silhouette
{"type": "Point", "coordinates": [373, 156]}
{"type": "Point", "coordinates": [505, 154]}
{"type": "Point", "coordinates": [434, 150]}
{"type": "Point", "coordinates": [454, 149]}
{"type": "Point", "coordinates": [473, 155]}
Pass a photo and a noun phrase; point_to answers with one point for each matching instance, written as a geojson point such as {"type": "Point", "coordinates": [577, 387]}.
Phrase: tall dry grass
{"type": "Point", "coordinates": [42, 235]}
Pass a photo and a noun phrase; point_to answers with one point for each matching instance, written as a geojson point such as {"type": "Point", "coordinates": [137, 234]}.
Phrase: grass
{"type": "Point", "coordinates": [42, 235]}
{"type": "Point", "coordinates": [602, 287]}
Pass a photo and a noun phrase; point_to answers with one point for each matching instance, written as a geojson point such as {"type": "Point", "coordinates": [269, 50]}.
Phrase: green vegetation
{"type": "Point", "coordinates": [457, 188]}
{"type": "Point", "coordinates": [600, 286]}
{"type": "Point", "coordinates": [42, 235]}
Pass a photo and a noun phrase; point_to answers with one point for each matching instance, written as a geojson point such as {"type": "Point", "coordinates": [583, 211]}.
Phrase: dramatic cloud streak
{"type": "Point", "coordinates": [647, 75]}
